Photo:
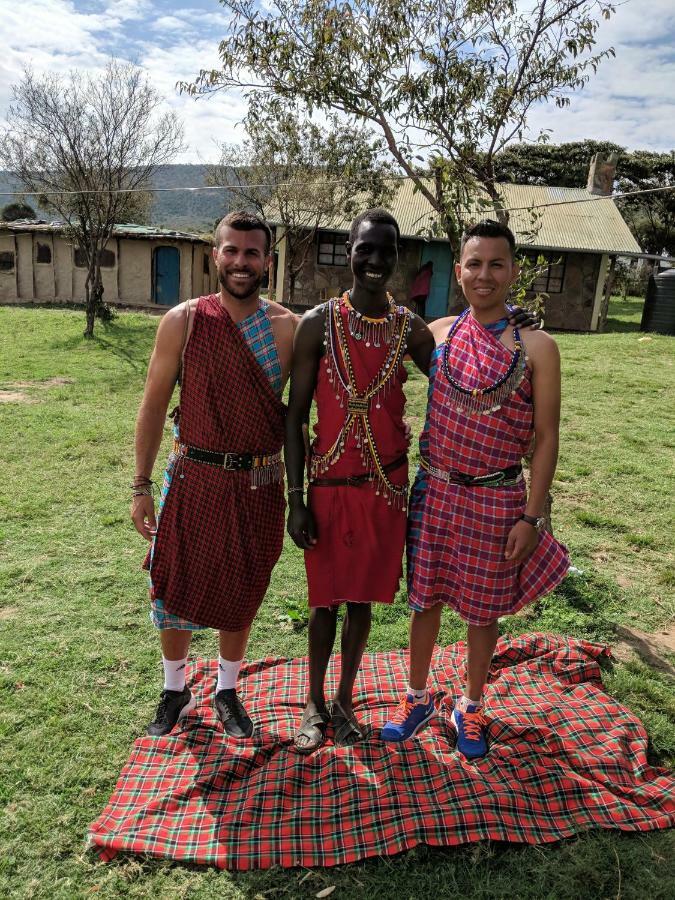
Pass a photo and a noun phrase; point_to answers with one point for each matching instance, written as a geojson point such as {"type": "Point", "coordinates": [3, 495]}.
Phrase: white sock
{"type": "Point", "coordinates": [174, 673]}
{"type": "Point", "coordinates": [418, 696]}
{"type": "Point", "coordinates": [464, 702]}
{"type": "Point", "coordinates": [228, 672]}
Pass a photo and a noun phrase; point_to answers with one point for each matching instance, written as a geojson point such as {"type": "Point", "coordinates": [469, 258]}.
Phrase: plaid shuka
{"type": "Point", "coordinates": [564, 758]}
{"type": "Point", "coordinates": [457, 534]}
{"type": "Point", "coordinates": [217, 540]}
{"type": "Point", "coordinates": [256, 330]}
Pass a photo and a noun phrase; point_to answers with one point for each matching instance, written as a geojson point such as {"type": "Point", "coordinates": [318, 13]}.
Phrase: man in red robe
{"type": "Point", "coordinates": [348, 354]}
{"type": "Point", "coordinates": [220, 528]}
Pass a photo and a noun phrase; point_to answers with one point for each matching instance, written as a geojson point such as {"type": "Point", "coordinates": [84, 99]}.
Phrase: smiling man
{"type": "Point", "coordinates": [220, 528]}
{"type": "Point", "coordinates": [475, 540]}
{"type": "Point", "coordinates": [348, 355]}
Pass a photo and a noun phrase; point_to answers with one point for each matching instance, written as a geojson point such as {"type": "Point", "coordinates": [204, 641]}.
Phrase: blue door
{"type": "Point", "coordinates": [166, 276]}
{"type": "Point", "coordinates": [440, 254]}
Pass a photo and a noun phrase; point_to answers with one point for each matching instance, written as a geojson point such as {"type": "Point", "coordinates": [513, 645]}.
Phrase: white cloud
{"type": "Point", "coordinates": [629, 101]}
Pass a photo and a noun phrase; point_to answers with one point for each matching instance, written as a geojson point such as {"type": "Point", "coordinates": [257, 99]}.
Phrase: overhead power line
{"type": "Point", "coordinates": [223, 187]}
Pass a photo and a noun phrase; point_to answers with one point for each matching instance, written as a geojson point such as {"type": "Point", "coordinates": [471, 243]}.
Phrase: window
{"type": "Point", "coordinates": [7, 261]}
{"type": "Point", "coordinates": [106, 259]}
{"type": "Point", "coordinates": [552, 276]}
{"type": "Point", "coordinates": [332, 250]}
{"type": "Point", "coordinates": [206, 264]}
{"type": "Point", "coordinates": [43, 253]}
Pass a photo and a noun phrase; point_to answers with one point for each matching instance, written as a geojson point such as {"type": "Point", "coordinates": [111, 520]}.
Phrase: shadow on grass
{"type": "Point", "coordinates": [624, 314]}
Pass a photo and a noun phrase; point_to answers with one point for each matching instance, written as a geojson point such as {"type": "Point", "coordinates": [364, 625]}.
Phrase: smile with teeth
{"type": "Point", "coordinates": [240, 276]}
{"type": "Point", "coordinates": [374, 275]}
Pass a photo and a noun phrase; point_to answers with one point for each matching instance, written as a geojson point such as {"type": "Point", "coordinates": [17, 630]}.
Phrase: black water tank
{"type": "Point", "coordinates": [659, 310]}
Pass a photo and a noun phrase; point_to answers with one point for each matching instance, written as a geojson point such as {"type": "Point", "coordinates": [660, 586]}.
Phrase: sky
{"type": "Point", "coordinates": [630, 101]}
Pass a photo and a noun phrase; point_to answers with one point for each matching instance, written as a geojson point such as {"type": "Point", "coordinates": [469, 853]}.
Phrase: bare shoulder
{"type": "Point", "coordinates": [282, 313]}
{"type": "Point", "coordinates": [541, 348]}
{"type": "Point", "coordinates": [439, 327]}
{"type": "Point", "coordinates": [172, 327]}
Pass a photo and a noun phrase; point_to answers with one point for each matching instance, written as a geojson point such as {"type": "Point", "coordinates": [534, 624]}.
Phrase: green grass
{"type": "Point", "coordinates": [80, 667]}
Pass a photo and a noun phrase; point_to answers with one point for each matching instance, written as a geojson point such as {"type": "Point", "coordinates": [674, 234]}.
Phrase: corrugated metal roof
{"type": "Point", "coordinates": [595, 226]}
{"type": "Point", "coordinates": [131, 230]}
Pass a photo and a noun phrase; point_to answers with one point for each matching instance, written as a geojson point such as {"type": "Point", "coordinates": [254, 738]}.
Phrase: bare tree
{"type": "Point", "coordinates": [302, 173]}
{"type": "Point", "coordinates": [87, 147]}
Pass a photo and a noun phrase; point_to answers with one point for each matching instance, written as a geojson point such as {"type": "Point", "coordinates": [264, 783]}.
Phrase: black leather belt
{"type": "Point", "coordinates": [500, 478]}
{"type": "Point", "coordinates": [232, 462]}
{"type": "Point", "coordinates": [356, 480]}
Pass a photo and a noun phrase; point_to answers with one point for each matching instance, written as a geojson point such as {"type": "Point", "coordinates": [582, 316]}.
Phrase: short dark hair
{"type": "Point", "coordinates": [241, 220]}
{"type": "Point", "coordinates": [492, 229]}
{"type": "Point", "coordinates": [373, 215]}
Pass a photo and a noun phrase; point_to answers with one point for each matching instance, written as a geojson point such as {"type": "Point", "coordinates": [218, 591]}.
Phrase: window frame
{"type": "Point", "coordinates": [554, 260]}
{"type": "Point", "coordinates": [9, 257]}
{"type": "Point", "coordinates": [335, 239]}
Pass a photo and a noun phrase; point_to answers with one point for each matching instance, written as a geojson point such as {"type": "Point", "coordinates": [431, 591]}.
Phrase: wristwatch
{"type": "Point", "coordinates": [537, 521]}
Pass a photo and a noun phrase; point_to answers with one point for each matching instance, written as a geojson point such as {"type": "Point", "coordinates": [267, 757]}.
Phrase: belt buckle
{"type": "Point", "coordinates": [230, 462]}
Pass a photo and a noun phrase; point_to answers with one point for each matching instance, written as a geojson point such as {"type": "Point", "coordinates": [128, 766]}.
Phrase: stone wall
{"type": "Point", "coordinates": [572, 309]}
{"type": "Point", "coordinates": [317, 283]}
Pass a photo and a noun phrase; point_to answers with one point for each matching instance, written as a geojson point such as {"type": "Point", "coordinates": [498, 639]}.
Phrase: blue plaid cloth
{"type": "Point", "coordinates": [257, 332]}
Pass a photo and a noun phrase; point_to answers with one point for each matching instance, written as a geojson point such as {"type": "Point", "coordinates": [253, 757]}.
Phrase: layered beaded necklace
{"type": "Point", "coordinates": [393, 331]}
{"type": "Point", "coordinates": [487, 399]}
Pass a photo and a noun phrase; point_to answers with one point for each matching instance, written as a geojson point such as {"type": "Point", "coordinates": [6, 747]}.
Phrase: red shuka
{"type": "Point", "coordinates": [218, 540]}
{"type": "Point", "coordinates": [358, 556]}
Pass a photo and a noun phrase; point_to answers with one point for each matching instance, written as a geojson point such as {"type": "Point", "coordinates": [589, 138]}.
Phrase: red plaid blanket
{"type": "Point", "coordinates": [564, 757]}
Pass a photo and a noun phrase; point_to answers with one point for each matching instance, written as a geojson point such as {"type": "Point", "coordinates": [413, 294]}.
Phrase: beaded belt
{"type": "Point", "coordinates": [232, 462]}
{"type": "Point", "coordinates": [356, 480]}
{"type": "Point", "coordinates": [500, 478]}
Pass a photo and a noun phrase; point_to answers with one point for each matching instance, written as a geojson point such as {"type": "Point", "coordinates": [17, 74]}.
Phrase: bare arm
{"type": "Point", "coordinates": [307, 352]}
{"type": "Point", "coordinates": [420, 344]}
{"type": "Point", "coordinates": [161, 379]}
{"type": "Point", "coordinates": [545, 361]}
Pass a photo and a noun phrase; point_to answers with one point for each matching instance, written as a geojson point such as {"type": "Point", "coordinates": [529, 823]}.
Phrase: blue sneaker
{"type": "Point", "coordinates": [408, 719]}
{"type": "Point", "coordinates": [471, 726]}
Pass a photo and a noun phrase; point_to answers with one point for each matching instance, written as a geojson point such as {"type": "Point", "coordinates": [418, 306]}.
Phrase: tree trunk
{"type": "Point", "coordinates": [90, 308]}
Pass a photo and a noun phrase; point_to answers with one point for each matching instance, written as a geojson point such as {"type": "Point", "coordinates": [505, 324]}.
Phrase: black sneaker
{"type": "Point", "coordinates": [173, 705]}
{"type": "Point", "coordinates": [232, 714]}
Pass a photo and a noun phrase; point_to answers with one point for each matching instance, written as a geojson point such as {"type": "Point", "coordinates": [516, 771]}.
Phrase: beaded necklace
{"type": "Point", "coordinates": [369, 329]}
{"type": "Point", "coordinates": [488, 399]}
{"type": "Point", "coordinates": [358, 404]}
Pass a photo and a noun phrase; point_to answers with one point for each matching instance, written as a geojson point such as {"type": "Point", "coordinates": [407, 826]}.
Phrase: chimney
{"type": "Point", "coordinates": [602, 173]}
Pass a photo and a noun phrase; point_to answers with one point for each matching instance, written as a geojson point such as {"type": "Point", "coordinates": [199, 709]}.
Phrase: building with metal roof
{"type": "Point", "coordinates": [141, 266]}
{"type": "Point", "coordinates": [578, 232]}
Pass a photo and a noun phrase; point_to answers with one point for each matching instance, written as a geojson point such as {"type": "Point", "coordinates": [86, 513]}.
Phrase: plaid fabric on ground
{"type": "Point", "coordinates": [564, 758]}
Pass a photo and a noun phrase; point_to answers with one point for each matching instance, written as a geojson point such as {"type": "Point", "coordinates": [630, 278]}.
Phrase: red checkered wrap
{"type": "Point", "coordinates": [457, 534]}
{"type": "Point", "coordinates": [564, 758]}
{"type": "Point", "coordinates": [218, 540]}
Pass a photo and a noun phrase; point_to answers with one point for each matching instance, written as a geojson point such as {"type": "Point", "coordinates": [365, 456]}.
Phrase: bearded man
{"type": "Point", "coordinates": [220, 526]}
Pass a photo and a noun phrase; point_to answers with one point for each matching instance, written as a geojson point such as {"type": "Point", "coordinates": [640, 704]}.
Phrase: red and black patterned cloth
{"type": "Point", "coordinates": [457, 534]}
{"type": "Point", "coordinates": [564, 758]}
{"type": "Point", "coordinates": [218, 540]}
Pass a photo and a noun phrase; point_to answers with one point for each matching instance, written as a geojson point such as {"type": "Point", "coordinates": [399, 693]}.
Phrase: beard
{"type": "Point", "coordinates": [240, 291]}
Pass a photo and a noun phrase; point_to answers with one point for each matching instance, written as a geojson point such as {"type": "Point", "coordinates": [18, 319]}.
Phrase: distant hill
{"type": "Point", "coordinates": [182, 210]}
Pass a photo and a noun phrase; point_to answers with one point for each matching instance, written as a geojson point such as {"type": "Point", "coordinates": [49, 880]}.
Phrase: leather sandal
{"type": "Point", "coordinates": [313, 728]}
{"type": "Point", "coordinates": [347, 729]}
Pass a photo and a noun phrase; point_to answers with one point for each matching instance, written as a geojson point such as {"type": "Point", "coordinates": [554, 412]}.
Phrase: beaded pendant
{"type": "Point", "coordinates": [491, 397]}
{"type": "Point", "coordinates": [395, 327]}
